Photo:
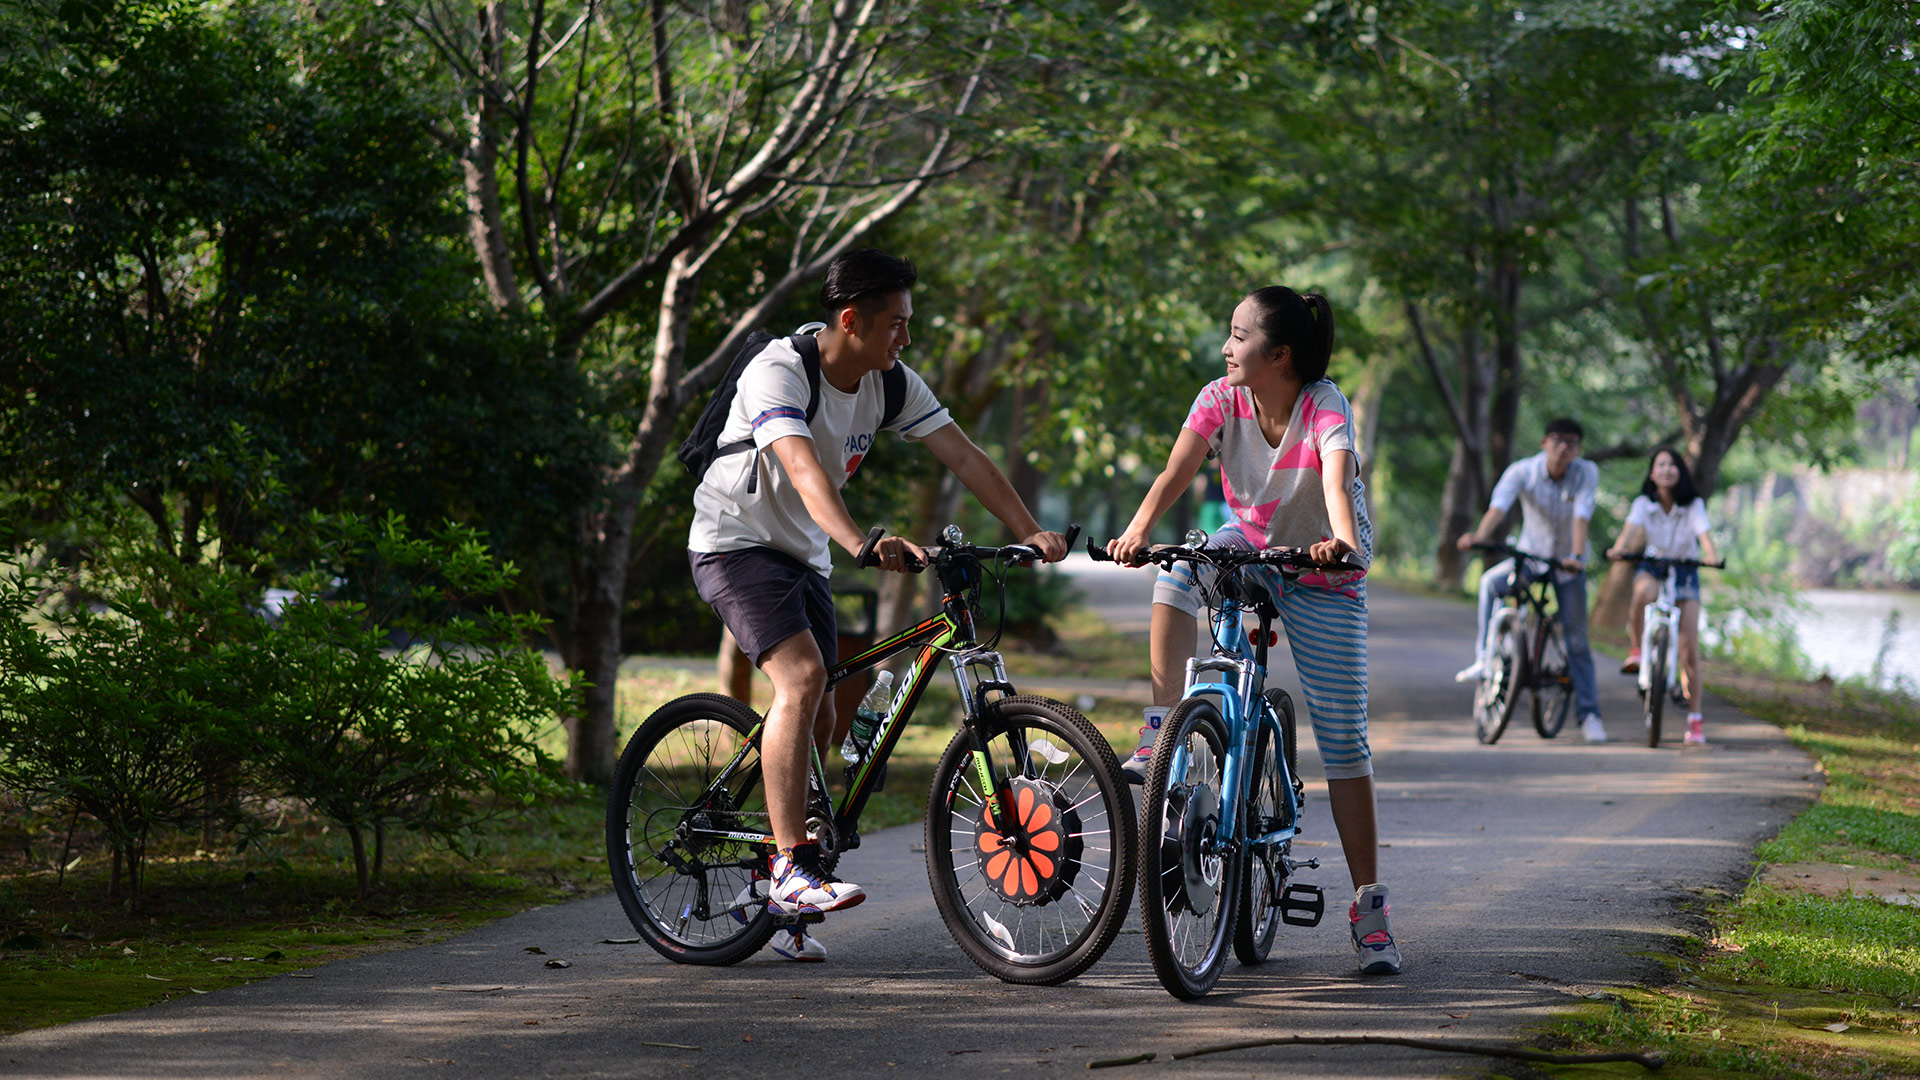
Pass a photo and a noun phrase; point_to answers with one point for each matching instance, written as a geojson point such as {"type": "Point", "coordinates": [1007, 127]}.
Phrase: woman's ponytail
{"type": "Point", "coordinates": [1302, 323]}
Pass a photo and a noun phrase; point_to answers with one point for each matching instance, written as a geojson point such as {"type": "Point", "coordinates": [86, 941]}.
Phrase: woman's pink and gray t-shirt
{"type": "Point", "coordinates": [1275, 493]}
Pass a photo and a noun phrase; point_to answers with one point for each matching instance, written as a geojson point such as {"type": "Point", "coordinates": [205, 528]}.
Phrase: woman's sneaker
{"type": "Point", "coordinates": [1631, 666]}
{"type": "Point", "coordinates": [1372, 940]}
{"type": "Point", "coordinates": [797, 944]}
{"type": "Point", "coordinates": [1135, 767]}
{"type": "Point", "coordinates": [1696, 732]}
{"type": "Point", "coordinates": [801, 885]}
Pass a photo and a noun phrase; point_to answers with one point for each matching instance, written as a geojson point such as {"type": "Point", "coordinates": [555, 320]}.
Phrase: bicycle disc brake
{"type": "Point", "coordinates": [1192, 823]}
{"type": "Point", "coordinates": [1032, 855]}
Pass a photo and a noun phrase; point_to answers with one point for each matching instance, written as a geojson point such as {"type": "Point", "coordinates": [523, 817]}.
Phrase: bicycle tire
{"type": "Point", "coordinates": [1012, 937]}
{"type": "Point", "coordinates": [1499, 687]}
{"type": "Point", "coordinates": [666, 774]}
{"type": "Point", "coordinates": [1265, 872]}
{"type": "Point", "coordinates": [1656, 695]}
{"type": "Point", "coordinates": [1179, 815]}
{"type": "Point", "coordinates": [1552, 683]}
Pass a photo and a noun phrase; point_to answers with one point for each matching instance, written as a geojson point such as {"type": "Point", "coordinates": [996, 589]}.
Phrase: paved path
{"type": "Point", "coordinates": [1521, 874]}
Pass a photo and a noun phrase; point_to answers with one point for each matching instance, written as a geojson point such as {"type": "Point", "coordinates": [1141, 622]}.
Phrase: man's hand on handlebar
{"type": "Point", "coordinates": [1467, 540]}
{"type": "Point", "coordinates": [1052, 545]}
{"type": "Point", "coordinates": [898, 555]}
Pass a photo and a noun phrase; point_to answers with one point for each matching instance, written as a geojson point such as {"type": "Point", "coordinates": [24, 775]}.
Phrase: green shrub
{"type": "Point", "coordinates": [435, 734]}
{"type": "Point", "coordinates": [137, 713]}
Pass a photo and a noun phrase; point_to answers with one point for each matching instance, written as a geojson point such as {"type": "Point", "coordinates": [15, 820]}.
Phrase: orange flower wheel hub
{"type": "Point", "coordinates": [1031, 853]}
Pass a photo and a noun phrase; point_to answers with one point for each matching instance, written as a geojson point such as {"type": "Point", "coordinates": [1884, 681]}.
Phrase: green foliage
{"type": "Point", "coordinates": [133, 713]}
{"type": "Point", "coordinates": [216, 222]}
{"type": "Point", "coordinates": [1859, 944]}
{"type": "Point", "coordinates": [151, 693]}
{"type": "Point", "coordinates": [435, 737]}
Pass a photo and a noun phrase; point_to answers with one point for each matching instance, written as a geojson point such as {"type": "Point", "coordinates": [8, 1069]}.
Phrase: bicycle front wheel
{"type": "Point", "coordinates": [1188, 884]}
{"type": "Point", "coordinates": [1655, 652]}
{"type": "Point", "coordinates": [1499, 687]}
{"type": "Point", "coordinates": [1265, 872]}
{"type": "Point", "coordinates": [688, 772]}
{"type": "Point", "coordinates": [1552, 683]}
{"type": "Point", "coordinates": [1035, 886]}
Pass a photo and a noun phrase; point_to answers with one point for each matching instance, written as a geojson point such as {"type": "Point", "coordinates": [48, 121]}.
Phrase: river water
{"type": "Point", "coordinates": [1844, 632]}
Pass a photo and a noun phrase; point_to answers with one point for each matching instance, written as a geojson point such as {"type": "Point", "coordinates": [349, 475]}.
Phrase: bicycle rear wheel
{"type": "Point", "coordinates": [1036, 890]}
{"type": "Point", "coordinates": [692, 898]}
{"type": "Point", "coordinates": [1188, 885]}
{"type": "Point", "coordinates": [1265, 872]}
{"type": "Point", "coordinates": [1552, 683]}
{"type": "Point", "coordinates": [1499, 687]}
{"type": "Point", "coordinates": [1655, 651]}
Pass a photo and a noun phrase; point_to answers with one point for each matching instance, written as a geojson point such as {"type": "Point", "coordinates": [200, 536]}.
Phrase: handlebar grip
{"type": "Point", "coordinates": [866, 558]}
{"type": "Point", "coordinates": [1073, 533]}
{"type": "Point", "coordinates": [1095, 551]}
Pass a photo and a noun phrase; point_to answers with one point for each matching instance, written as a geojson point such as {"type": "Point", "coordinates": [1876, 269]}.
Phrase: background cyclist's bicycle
{"type": "Point", "coordinates": [1660, 642]}
{"type": "Point", "coordinates": [1526, 652]}
{"type": "Point", "coordinates": [1029, 824]}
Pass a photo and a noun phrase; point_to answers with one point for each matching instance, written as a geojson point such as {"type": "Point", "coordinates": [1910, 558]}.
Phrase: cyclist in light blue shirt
{"type": "Point", "coordinates": [1555, 490]}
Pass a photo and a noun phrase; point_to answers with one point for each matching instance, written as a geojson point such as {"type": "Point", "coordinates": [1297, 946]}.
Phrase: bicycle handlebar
{"type": "Point", "coordinates": [1294, 559]}
{"type": "Point", "coordinates": [1508, 551]}
{"type": "Point", "coordinates": [1641, 556]}
{"type": "Point", "coordinates": [1012, 553]}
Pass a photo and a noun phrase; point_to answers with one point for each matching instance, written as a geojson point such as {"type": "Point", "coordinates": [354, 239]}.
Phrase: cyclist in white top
{"type": "Point", "coordinates": [1668, 520]}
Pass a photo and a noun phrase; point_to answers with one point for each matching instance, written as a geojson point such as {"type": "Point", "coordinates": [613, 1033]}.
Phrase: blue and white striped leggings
{"type": "Point", "coordinates": [1327, 631]}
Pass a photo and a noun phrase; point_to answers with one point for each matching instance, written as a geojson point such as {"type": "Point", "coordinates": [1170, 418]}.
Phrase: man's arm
{"type": "Point", "coordinates": [1577, 558]}
{"type": "Point", "coordinates": [1485, 531]}
{"type": "Point", "coordinates": [982, 477]}
{"type": "Point", "coordinates": [828, 510]}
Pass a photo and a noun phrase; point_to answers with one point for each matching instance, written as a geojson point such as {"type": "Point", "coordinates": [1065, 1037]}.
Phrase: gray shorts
{"type": "Point", "coordinates": [765, 597]}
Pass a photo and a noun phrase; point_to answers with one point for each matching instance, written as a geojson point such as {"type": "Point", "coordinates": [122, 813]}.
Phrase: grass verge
{"type": "Point", "coordinates": [1810, 971]}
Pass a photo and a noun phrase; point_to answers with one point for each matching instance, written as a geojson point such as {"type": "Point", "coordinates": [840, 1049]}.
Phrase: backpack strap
{"type": "Point", "coordinates": [808, 347]}
{"type": "Point", "coordinates": [893, 384]}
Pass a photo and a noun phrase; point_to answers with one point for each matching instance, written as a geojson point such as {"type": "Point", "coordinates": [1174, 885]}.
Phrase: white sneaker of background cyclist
{"type": "Point", "coordinates": [1372, 938]}
{"type": "Point", "coordinates": [801, 886]}
{"type": "Point", "coordinates": [1134, 769]}
{"type": "Point", "coordinates": [1592, 728]}
{"type": "Point", "coordinates": [1472, 672]}
{"type": "Point", "coordinates": [797, 944]}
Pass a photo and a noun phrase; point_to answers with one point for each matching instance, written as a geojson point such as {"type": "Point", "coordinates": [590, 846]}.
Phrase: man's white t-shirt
{"type": "Point", "coordinates": [770, 404]}
{"type": "Point", "coordinates": [1671, 534]}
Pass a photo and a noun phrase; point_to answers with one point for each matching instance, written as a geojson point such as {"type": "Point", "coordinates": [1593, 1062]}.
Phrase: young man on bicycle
{"type": "Point", "coordinates": [762, 521]}
{"type": "Point", "coordinates": [1555, 489]}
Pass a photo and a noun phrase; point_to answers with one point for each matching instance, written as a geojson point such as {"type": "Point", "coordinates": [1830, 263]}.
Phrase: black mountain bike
{"type": "Point", "coordinates": [1029, 823]}
{"type": "Point", "coordinates": [1526, 652]}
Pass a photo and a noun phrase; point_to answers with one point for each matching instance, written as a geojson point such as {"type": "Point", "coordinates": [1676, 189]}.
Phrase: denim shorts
{"type": "Point", "coordinates": [1686, 580]}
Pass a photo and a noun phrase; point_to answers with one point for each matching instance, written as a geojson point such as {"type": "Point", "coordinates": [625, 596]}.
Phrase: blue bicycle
{"type": "Point", "coordinates": [1223, 793]}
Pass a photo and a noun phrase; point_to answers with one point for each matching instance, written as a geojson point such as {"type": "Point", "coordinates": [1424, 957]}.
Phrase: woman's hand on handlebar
{"type": "Point", "coordinates": [899, 555]}
{"type": "Point", "coordinates": [1331, 551]}
{"type": "Point", "coordinates": [1130, 548]}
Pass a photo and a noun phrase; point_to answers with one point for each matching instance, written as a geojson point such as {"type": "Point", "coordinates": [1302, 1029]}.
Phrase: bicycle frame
{"type": "Point", "coordinates": [933, 636]}
{"type": "Point", "coordinates": [1665, 608]}
{"type": "Point", "coordinates": [1231, 649]}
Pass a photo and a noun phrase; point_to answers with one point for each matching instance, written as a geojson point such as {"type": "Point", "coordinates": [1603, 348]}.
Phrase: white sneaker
{"type": "Point", "coordinates": [1372, 940]}
{"type": "Point", "coordinates": [1134, 769]}
{"type": "Point", "coordinates": [802, 886]}
{"type": "Point", "coordinates": [1696, 733]}
{"type": "Point", "coordinates": [797, 944]}
{"type": "Point", "coordinates": [1472, 672]}
{"type": "Point", "coordinates": [1591, 727]}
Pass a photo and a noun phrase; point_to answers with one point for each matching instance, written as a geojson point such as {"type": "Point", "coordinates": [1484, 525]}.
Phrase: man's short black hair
{"type": "Point", "coordinates": [1566, 425]}
{"type": "Point", "coordinates": [865, 277]}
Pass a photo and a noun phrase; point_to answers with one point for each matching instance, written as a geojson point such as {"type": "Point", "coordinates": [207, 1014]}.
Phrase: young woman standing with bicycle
{"type": "Point", "coordinates": [1289, 468]}
{"type": "Point", "coordinates": [1668, 520]}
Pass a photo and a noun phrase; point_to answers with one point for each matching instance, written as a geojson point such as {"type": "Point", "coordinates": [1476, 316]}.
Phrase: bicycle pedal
{"type": "Point", "coordinates": [804, 919]}
{"type": "Point", "coordinates": [1302, 905]}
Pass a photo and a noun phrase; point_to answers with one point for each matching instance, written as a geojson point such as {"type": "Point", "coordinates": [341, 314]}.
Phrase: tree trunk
{"type": "Point", "coordinates": [1460, 504]}
{"type": "Point", "coordinates": [360, 868]}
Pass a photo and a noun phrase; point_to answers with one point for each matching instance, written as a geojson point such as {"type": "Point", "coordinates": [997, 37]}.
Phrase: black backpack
{"type": "Point", "coordinates": [702, 446]}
